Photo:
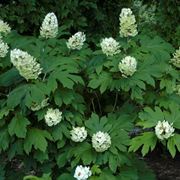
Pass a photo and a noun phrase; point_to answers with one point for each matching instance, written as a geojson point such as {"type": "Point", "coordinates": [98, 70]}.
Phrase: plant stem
{"type": "Point", "coordinates": [92, 101]}
{"type": "Point", "coordinates": [98, 103]}
{"type": "Point", "coordinates": [115, 102]}
{"type": "Point", "coordinates": [44, 77]}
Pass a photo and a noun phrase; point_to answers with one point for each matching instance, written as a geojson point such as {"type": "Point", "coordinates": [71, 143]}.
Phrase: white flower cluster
{"type": "Point", "coordinates": [128, 25]}
{"type": "Point", "coordinates": [128, 66]}
{"type": "Point", "coordinates": [146, 12]}
{"type": "Point", "coordinates": [82, 173]}
{"type": "Point", "coordinates": [110, 46]}
{"type": "Point", "coordinates": [76, 41]}
{"type": "Point", "coordinates": [37, 107]}
{"type": "Point", "coordinates": [4, 28]}
{"type": "Point", "coordinates": [176, 58]}
{"type": "Point", "coordinates": [78, 134]}
{"type": "Point", "coordinates": [49, 27]}
{"type": "Point", "coordinates": [53, 117]}
{"type": "Point", "coordinates": [3, 49]}
{"type": "Point", "coordinates": [164, 130]}
{"type": "Point", "coordinates": [101, 141]}
{"type": "Point", "coordinates": [25, 64]}
{"type": "Point", "coordinates": [177, 89]}
{"type": "Point", "coordinates": [137, 4]}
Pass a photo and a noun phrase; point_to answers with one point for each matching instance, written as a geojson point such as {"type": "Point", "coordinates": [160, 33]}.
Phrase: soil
{"type": "Point", "coordinates": [164, 166]}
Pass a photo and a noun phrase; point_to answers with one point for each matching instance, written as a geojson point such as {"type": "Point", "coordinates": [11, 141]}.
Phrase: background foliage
{"type": "Point", "coordinates": [96, 17]}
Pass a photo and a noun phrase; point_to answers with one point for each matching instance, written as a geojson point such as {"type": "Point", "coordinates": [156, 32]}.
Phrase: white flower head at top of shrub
{"type": "Point", "coordinates": [110, 46]}
{"type": "Point", "coordinates": [164, 130]}
{"type": "Point", "coordinates": [76, 41]}
{"type": "Point", "coordinates": [78, 134]}
{"type": "Point", "coordinates": [37, 107]}
{"type": "Point", "coordinates": [177, 89]}
{"type": "Point", "coordinates": [128, 26]}
{"type": "Point", "coordinates": [3, 49]}
{"type": "Point", "coordinates": [26, 64]}
{"type": "Point", "coordinates": [137, 4]}
{"type": "Point", "coordinates": [4, 28]}
{"type": "Point", "coordinates": [127, 66]}
{"type": "Point", "coordinates": [176, 58]}
{"type": "Point", "coordinates": [82, 172]}
{"type": "Point", "coordinates": [53, 117]}
{"type": "Point", "coordinates": [49, 27]}
{"type": "Point", "coordinates": [101, 141]}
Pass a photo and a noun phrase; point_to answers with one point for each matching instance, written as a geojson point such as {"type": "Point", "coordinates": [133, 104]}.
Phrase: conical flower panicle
{"type": "Point", "coordinates": [49, 27]}
{"type": "Point", "coordinates": [25, 64]}
{"type": "Point", "coordinates": [127, 66]}
{"type": "Point", "coordinates": [76, 41]}
{"type": "Point", "coordinates": [4, 28]}
{"type": "Point", "coordinates": [128, 25]}
{"type": "Point", "coordinates": [176, 58]}
{"type": "Point", "coordinates": [110, 46]}
{"type": "Point", "coordinates": [3, 49]}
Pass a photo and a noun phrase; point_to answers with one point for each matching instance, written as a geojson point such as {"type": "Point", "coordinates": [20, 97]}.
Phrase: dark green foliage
{"type": "Point", "coordinates": [98, 18]}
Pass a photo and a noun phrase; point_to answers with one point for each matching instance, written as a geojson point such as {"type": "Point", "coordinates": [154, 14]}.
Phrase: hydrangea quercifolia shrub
{"type": "Point", "coordinates": [67, 111]}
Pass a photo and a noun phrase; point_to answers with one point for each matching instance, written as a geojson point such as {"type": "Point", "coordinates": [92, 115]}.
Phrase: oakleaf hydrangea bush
{"type": "Point", "coordinates": [68, 110]}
